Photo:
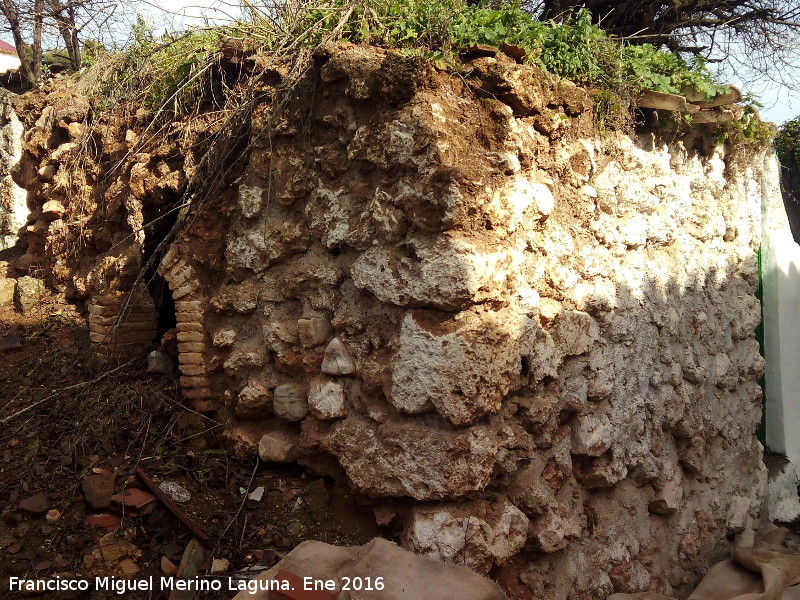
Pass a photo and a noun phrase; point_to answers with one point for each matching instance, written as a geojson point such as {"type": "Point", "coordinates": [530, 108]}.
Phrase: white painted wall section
{"type": "Point", "coordinates": [781, 280]}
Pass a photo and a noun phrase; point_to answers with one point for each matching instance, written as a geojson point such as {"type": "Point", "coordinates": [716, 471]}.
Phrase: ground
{"type": "Point", "coordinates": [65, 414]}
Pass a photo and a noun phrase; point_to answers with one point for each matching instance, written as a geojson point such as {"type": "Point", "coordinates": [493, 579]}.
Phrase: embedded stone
{"type": "Point", "coordinates": [576, 331]}
{"type": "Point", "coordinates": [52, 210]}
{"type": "Point", "coordinates": [326, 398]}
{"type": "Point", "coordinates": [591, 434]}
{"type": "Point", "coordinates": [314, 332]}
{"type": "Point", "coordinates": [254, 401]}
{"type": "Point", "coordinates": [289, 402]}
{"type": "Point", "coordinates": [158, 362]}
{"type": "Point", "coordinates": [276, 446]}
{"type": "Point", "coordinates": [479, 534]}
{"type": "Point", "coordinates": [401, 458]}
{"type": "Point", "coordinates": [667, 500]}
{"type": "Point", "coordinates": [337, 359]}
{"type": "Point", "coordinates": [463, 368]}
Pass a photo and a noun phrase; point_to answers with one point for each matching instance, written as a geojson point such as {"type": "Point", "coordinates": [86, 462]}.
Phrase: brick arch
{"type": "Point", "coordinates": [190, 306]}
{"type": "Point", "coordinates": [119, 322]}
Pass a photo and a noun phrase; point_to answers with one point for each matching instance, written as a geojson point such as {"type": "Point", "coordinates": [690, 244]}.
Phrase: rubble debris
{"type": "Point", "coordinates": [170, 504]}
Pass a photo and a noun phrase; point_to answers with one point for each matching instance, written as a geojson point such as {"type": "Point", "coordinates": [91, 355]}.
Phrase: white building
{"type": "Point", "coordinates": [8, 57]}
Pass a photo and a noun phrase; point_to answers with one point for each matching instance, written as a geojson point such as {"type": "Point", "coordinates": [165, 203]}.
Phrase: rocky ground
{"type": "Point", "coordinates": [73, 431]}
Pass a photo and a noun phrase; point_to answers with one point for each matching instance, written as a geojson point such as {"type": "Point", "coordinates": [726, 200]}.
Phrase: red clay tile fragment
{"type": "Point", "coordinates": [136, 501]}
{"type": "Point", "coordinates": [105, 520]}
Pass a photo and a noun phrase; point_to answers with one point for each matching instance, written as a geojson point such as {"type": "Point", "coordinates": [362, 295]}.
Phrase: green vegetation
{"type": "Point", "coordinates": [576, 50]}
{"type": "Point", "coordinates": [787, 143]}
{"type": "Point", "coordinates": [173, 75]}
{"type": "Point", "coordinates": [177, 74]}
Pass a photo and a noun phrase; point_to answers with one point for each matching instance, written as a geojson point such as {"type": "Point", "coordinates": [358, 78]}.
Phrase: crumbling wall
{"type": "Point", "coordinates": [13, 199]}
{"type": "Point", "coordinates": [530, 345]}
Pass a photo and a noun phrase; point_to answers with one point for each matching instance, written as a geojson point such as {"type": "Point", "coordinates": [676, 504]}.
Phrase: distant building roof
{"type": "Point", "coordinates": [6, 48]}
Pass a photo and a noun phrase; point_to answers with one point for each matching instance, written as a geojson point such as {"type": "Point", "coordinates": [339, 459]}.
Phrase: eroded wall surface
{"type": "Point", "coordinates": [528, 345]}
{"type": "Point", "coordinates": [13, 199]}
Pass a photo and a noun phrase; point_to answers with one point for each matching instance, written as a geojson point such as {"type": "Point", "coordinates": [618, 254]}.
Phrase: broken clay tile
{"type": "Point", "coordinates": [135, 500]}
{"type": "Point", "coordinates": [106, 521]}
{"type": "Point", "coordinates": [298, 592]}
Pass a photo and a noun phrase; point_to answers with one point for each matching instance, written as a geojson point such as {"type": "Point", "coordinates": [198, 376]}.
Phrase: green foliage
{"type": "Point", "coordinates": [787, 143]}
{"type": "Point", "coordinates": [646, 67]}
{"type": "Point", "coordinates": [173, 75]}
{"type": "Point", "coordinates": [576, 50]}
{"type": "Point", "coordinates": [176, 74]}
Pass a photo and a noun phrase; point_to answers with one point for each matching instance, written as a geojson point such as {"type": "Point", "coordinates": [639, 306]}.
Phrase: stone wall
{"type": "Point", "coordinates": [529, 346]}
{"type": "Point", "coordinates": [13, 199]}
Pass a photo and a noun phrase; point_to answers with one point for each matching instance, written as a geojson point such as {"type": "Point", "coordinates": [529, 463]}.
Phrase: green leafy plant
{"type": "Point", "coordinates": [787, 142]}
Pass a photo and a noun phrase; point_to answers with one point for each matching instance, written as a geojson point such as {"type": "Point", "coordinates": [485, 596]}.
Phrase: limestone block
{"type": "Point", "coordinates": [326, 398]}
{"type": "Point", "coordinates": [338, 360]}
{"type": "Point", "coordinates": [447, 272]}
{"type": "Point", "coordinates": [552, 531]}
{"type": "Point", "coordinates": [314, 332]}
{"type": "Point", "coordinates": [276, 446]}
{"type": "Point", "coordinates": [224, 338]}
{"type": "Point", "coordinates": [591, 434]}
{"type": "Point", "coordinates": [30, 292]}
{"type": "Point", "coordinates": [290, 402]}
{"type": "Point", "coordinates": [48, 172]}
{"type": "Point", "coordinates": [251, 200]}
{"type": "Point", "coordinates": [254, 401]}
{"type": "Point", "coordinates": [8, 287]}
{"type": "Point", "coordinates": [575, 331]}
{"type": "Point", "coordinates": [279, 336]}
{"type": "Point", "coordinates": [667, 500]}
{"type": "Point", "coordinates": [478, 534]}
{"type": "Point", "coordinates": [463, 369]}
{"type": "Point", "coordinates": [52, 210]}
{"type": "Point", "coordinates": [241, 298]}
{"type": "Point", "coordinates": [530, 491]}
{"type": "Point", "coordinates": [400, 458]}
{"type": "Point", "coordinates": [244, 358]}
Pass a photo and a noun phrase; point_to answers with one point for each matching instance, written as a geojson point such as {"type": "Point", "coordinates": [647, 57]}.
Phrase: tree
{"type": "Point", "coordinates": [25, 21]}
{"type": "Point", "coordinates": [32, 22]}
{"type": "Point", "coordinates": [756, 36]}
